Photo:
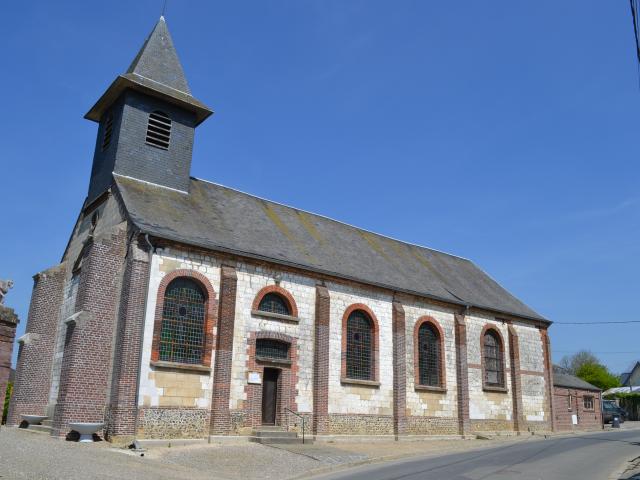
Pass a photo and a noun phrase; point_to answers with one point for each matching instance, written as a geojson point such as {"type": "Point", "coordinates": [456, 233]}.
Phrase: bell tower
{"type": "Point", "coordinates": [147, 119]}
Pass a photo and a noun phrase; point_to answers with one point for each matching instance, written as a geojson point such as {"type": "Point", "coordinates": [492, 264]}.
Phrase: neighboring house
{"type": "Point", "coordinates": [183, 308]}
{"type": "Point", "coordinates": [632, 378]}
{"type": "Point", "coordinates": [576, 404]}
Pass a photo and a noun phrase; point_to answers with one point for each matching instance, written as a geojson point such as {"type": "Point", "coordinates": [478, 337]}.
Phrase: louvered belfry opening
{"type": "Point", "coordinates": [159, 130]}
{"type": "Point", "coordinates": [274, 303]}
{"type": "Point", "coordinates": [359, 346]}
{"type": "Point", "coordinates": [108, 131]}
{"type": "Point", "coordinates": [493, 373]}
{"type": "Point", "coordinates": [183, 320]}
{"type": "Point", "coordinates": [429, 356]}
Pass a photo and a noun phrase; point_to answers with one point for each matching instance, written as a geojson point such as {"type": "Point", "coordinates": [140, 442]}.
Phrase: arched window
{"type": "Point", "coordinates": [429, 356]}
{"type": "Point", "coordinates": [107, 132]}
{"type": "Point", "coordinates": [359, 354]}
{"type": "Point", "coordinates": [493, 355]}
{"type": "Point", "coordinates": [159, 130]}
{"type": "Point", "coordinates": [182, 335]}
{"type": "Point", "coordinates": [274, 303]}
{"type": "Point", "coordinates": [269, 349]}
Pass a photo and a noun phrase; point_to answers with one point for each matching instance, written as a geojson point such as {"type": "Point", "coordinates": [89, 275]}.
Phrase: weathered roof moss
{"type": "Point", "coordinates": [220, 218]}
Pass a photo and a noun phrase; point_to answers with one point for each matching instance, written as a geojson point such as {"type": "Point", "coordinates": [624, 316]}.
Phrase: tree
{"type": "Point", "coordinates": [598, 375]}
{"type": "Point", "coordinates": [572, 363]}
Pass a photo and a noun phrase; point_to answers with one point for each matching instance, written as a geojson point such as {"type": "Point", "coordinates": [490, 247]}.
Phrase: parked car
{"type": "Point", "coordinates": [610, 409]}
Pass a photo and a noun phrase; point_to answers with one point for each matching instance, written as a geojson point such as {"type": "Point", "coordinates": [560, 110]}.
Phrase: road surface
{"type": "Point", "coordinates": [583, 457]}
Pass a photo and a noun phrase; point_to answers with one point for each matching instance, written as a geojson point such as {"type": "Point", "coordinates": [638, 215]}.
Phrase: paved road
{"type": "Point", "coordinates": [585, 457]}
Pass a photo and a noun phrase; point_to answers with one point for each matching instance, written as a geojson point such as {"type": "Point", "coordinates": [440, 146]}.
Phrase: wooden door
{"type": "Point", "coordinates": [269, 396]}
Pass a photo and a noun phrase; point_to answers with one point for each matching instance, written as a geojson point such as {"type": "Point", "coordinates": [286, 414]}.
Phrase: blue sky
{"type": "Point", "coordinates": [505, 132]}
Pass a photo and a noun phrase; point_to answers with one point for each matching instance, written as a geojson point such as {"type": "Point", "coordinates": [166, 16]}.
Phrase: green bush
{"type": "Point", "coordinates": [598, 375]}
{"type": "Point", "coordinates": [5, 409]}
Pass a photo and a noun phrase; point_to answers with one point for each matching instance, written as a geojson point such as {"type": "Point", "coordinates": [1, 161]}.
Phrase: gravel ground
{"type": "Point", "coordinates": [32, 456]}
{"type": "Point", "coordinates": [26, 455]}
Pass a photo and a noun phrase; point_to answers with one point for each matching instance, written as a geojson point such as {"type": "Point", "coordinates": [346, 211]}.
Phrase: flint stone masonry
{"type": "Point", "coordinates": [367, 409]}
{"type": "Point", "coordinates": [175, 422]}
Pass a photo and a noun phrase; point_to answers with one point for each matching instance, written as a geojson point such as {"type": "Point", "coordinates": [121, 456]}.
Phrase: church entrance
{"type": "Point", "coordinates": [269, 395]}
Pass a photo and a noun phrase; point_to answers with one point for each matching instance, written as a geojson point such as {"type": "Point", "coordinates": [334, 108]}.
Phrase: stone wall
{"type": "Point", "coordinates": [350, 408]}
{"type": "Point", "coordinates": [493, 409]}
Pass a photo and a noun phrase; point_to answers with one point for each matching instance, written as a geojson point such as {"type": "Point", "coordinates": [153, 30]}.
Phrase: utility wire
{"type": "Point", "coordinates": [597, 353]}
{"type": "Point", "coordinates": [636, 28]}
{"type": "Point", "coordinates": [597, 323]}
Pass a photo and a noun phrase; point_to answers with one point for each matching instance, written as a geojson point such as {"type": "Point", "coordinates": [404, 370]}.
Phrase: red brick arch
{"type": "Point", "coordinates": [416, 355]}
{"type": "Point", "coordinates": [493, 328]}
{"type": "Point", "coordinates": [210, 320]}
{"type": "Point", "coordinates": [376, 334]}
{"type": "Point", "coordinates": [277, 289]}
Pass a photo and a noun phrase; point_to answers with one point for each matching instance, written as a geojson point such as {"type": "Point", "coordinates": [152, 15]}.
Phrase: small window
{"type": "Point", "coordinates": [94, 219]}
{"type": "Point", "coordinates": [269, 349]}
{"type": "Point", "coordinates": [493, 369]}
{"type": "Point", "coordinates": [570, 402]}
{"type": "Point", "coordinates": [359, 346]}
{"type": "Point", "coordinates": [159, 130]}
{"type": "Point", "coordinates": [429, 355]}
{"type": "Point", "coordinates": [108, 131]}
{"type": "Point", "coordinates": [274, 303]}
{"type": "Point", "coordinates": [588, 402]}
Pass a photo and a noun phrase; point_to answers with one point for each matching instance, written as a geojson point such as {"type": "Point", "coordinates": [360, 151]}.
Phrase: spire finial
{"type": "Point", "coordinates": [164, 9]}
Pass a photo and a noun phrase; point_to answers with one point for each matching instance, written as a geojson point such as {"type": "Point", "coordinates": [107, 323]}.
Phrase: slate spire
{"type": "Point", "coordinates": [157, 60]}
{"type": "Point", "coordinates": [156, 71]}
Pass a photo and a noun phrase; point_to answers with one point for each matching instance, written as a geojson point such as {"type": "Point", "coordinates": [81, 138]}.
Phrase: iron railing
{"type": "Point", "coordinates": [288, 410]}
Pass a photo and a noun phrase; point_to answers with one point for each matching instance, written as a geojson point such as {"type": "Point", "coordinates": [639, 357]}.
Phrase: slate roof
{"type": "Point", "coordinates": [156, 70]}
{"type": "Point", "coordinates": [158, 60]}
{"type": "Point", "coordinates": [223, 219]}
{"type": "Point", "coordinates": [569, 381]}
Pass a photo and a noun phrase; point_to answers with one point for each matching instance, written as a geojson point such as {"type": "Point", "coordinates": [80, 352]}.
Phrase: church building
{"type": "Point", "coordinates": [186, 309]}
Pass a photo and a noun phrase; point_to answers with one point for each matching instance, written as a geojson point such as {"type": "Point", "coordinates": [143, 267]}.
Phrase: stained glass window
{"type": "Point", "coordinates": [183, 319]}
{"type": "Point", "coordinates": [493, 372]}
{"type": "Point", "coordinates": [274, 303]}
{"type": "Point", "coordinates": [429, 355]}
{"type": "Point", "coordinates": [359, 346]}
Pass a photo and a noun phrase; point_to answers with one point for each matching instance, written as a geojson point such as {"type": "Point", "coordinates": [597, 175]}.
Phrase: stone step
{"type": "Point", "coordinates": [274, 433]}
{"type": "Point", "coordinates": [269, 428]}
{"type": "Point", "coordinates": [278, 440]}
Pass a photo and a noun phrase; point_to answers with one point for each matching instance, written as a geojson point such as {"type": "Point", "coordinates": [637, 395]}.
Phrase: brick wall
{"type": "Point", "coordinates": [321, 361]}
{"type": "Point", "coordinates": [87, 360]}
{"type": "Point", "coordinates": [569, 402]}
{"type": "Point", "coordinates": [35, 355]}
{"type": "Point", "coordinates": [123, 408]}
{"type": "Point", "coordinates": [220, 411]}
